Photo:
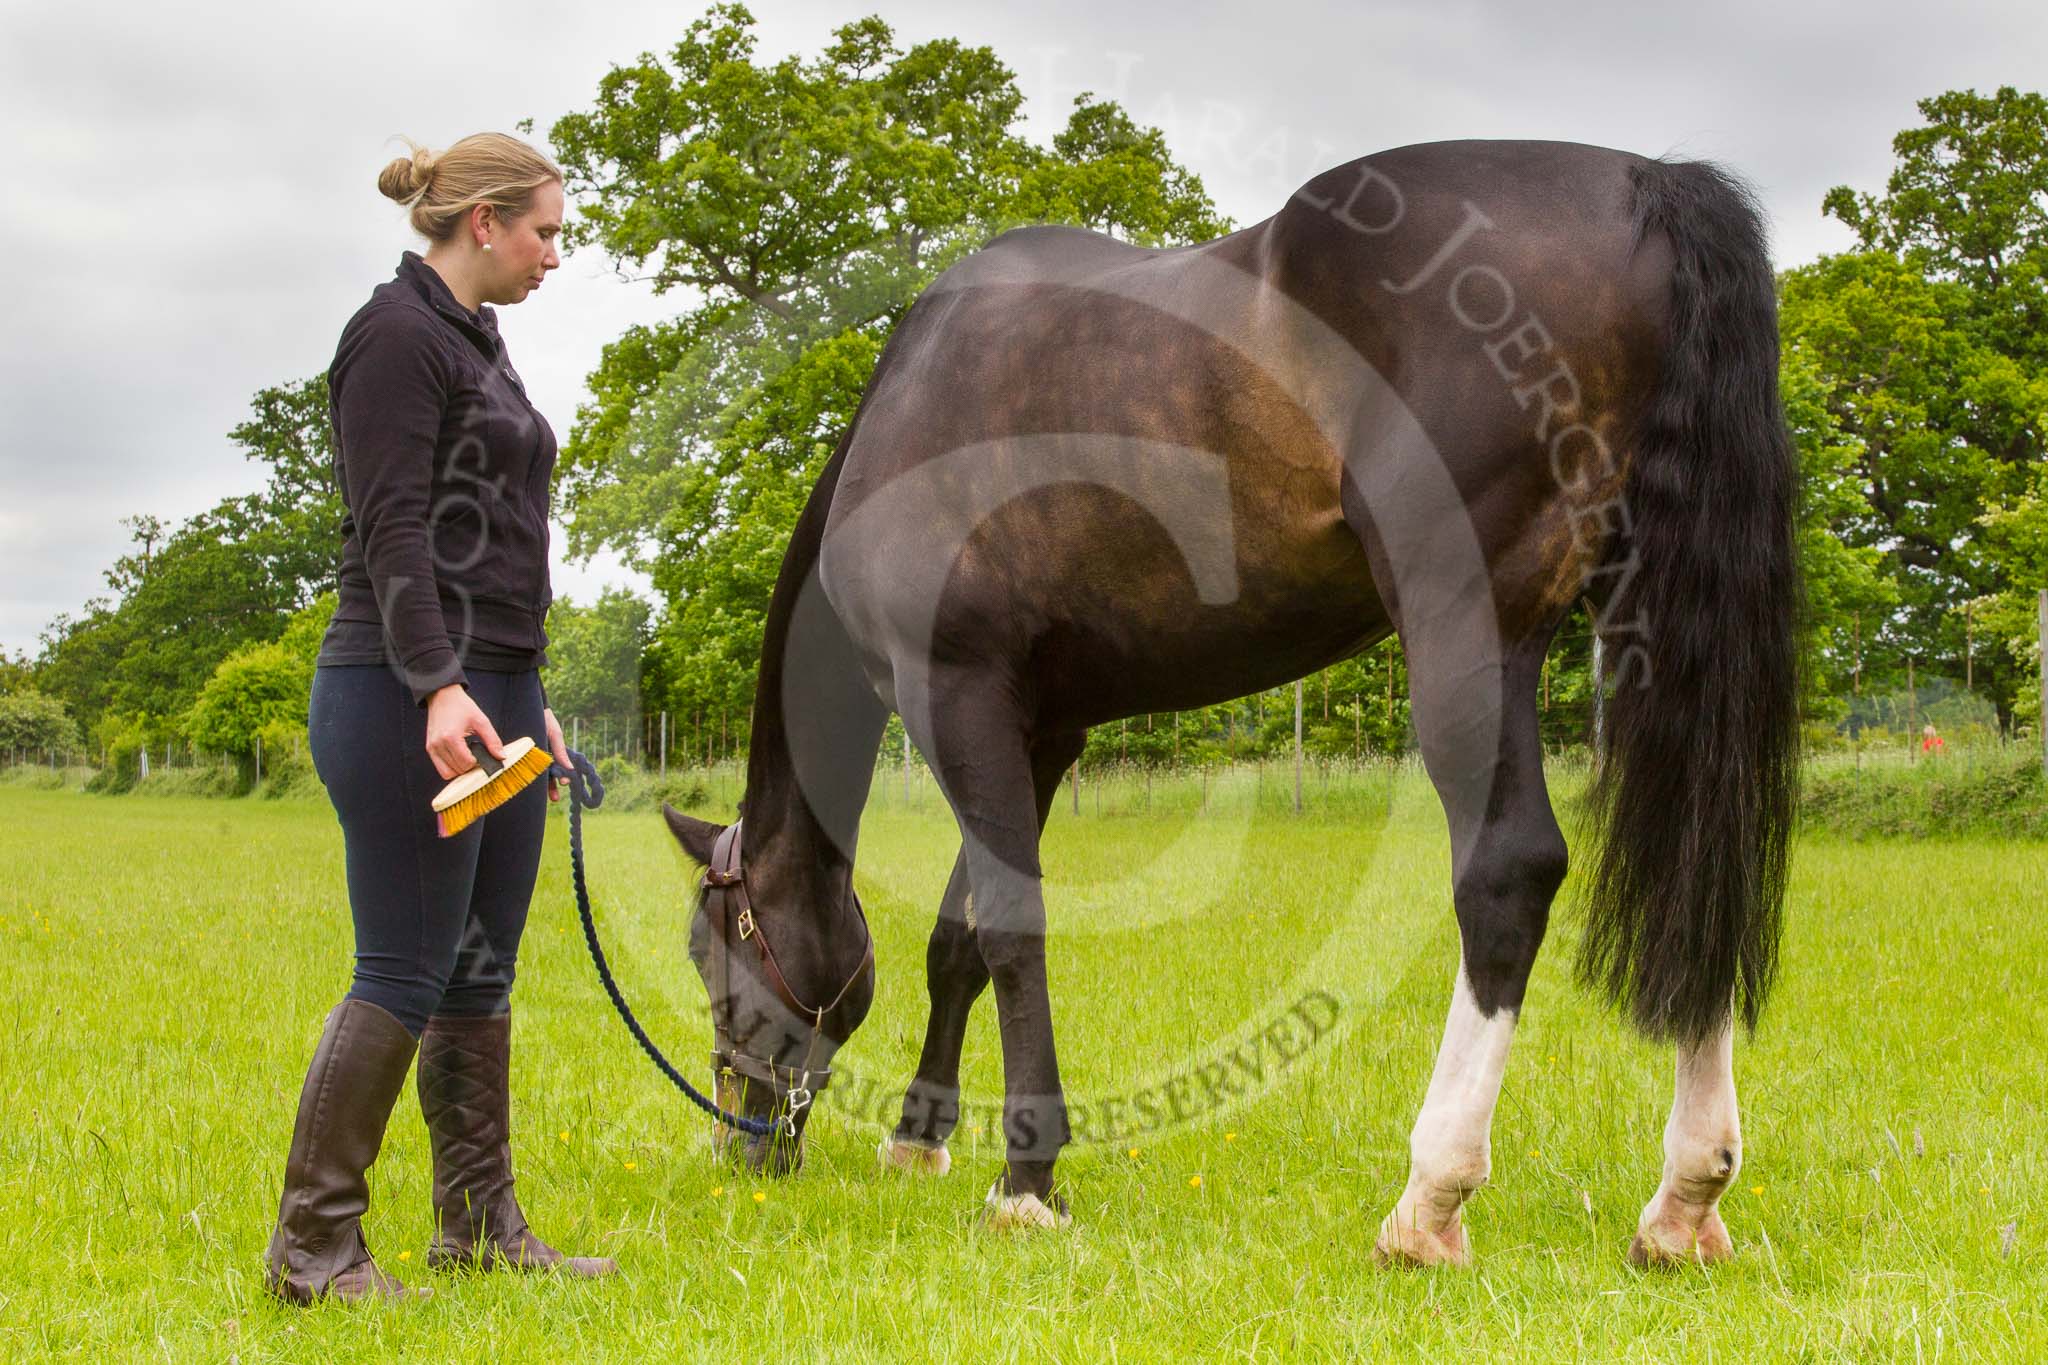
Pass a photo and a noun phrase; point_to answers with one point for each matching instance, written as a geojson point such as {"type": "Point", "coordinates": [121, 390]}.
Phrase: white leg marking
{"type": "Point", "coordinates": [899, 1154]}
{"type": "Point", "coordinates": [1025, 1211]}
{"type": "Point", "coordinates": [1450, 1146]}
{"type": "Point", "coordinates": [1702, 1153]}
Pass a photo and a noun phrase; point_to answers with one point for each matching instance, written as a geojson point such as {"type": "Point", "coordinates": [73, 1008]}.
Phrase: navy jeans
{"type": "Point", "coordinates": [437, 920]}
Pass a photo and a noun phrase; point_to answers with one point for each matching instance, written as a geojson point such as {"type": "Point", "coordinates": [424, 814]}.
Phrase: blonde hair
{"type": "Point", "coordinates": [484, 168]}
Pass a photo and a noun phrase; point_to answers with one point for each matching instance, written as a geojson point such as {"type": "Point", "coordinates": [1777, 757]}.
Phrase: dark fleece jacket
{"type": "Point", "coordinates": [444, 467]}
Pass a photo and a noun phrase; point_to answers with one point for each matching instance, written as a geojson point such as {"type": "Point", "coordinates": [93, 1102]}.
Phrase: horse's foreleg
{"type": "Point", "coordinates": [992, 928]}
{"type": "Point", "coordinates": [955, 976]}
{"type": "Point", "coordinates": [1508, 859]}
{"type": "Point", "coordinates": [1702, 1153]}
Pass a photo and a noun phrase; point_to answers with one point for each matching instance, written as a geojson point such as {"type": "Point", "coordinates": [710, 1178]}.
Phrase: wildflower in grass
{"type": "Point", "coordinates": [1194, 1182]}
{"type": "Point", "coordinates": [717, 1190]}
{"type": "Point", "coordinates": [405, 1255]}
{"type": "Point", "coordinates": [565, 1135]}
{"type": "Point", "coordinates": [1756, 1189]}
{"type": "Point", "coordinates": [1134, 1154]}
{"type": "Point", "coordinates": [760, 1196]}
{"type": "Point", "coordinates": [1230, 1137]}
{"type": "Point", "coordinates": [632, 1165]}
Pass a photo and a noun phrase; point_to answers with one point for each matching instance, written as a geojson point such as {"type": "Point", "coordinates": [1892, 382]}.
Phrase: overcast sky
{"type": "Point", "coordinates": [192, 212]}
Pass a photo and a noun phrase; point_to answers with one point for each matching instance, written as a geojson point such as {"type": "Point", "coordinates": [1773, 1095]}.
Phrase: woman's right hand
{"type": "Point", "coordinates": [453, 716]}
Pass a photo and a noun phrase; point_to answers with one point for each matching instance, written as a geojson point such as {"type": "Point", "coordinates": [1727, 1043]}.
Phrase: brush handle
{"type": "Point", "coordinates": [483, 756]}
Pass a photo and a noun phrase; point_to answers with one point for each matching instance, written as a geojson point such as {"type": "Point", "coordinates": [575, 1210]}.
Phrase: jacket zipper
{"type": "Point", "coordinates": [505, 368]}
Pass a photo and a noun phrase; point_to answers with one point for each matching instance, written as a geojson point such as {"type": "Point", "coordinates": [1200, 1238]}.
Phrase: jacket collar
{"type": "Point", "coordinates": [424, 280]}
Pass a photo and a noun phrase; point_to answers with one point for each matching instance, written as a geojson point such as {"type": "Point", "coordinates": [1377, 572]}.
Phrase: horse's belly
{"type": "Point", "coordinates": [1144, 586]}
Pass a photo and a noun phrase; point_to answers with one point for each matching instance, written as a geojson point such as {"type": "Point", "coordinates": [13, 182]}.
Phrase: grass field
{"type": "Point", "coordinates": [167, 964]}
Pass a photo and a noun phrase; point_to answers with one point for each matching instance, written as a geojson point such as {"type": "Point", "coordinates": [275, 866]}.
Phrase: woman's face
{"type": "Point", "coordinates": [523, 249]}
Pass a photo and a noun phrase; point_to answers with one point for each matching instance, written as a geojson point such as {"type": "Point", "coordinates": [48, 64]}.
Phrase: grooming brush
{"type": "Point", "coordinates": [490, 784]}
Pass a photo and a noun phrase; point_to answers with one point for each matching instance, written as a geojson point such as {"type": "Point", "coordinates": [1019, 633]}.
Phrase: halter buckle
{"type": "Point", "coordinates": [746, 922]}
{"type": "Point", "coordinates": [799, 1099]}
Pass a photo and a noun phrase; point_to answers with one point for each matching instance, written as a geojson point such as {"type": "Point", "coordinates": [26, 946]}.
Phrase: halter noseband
{"type": "Point", "coordinates": [732, 917]}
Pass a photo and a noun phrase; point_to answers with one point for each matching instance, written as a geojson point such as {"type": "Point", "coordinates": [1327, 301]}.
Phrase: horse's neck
{"type": "Point", "coordinates": [817, 727]}
{"type": "Point", "coordinates": [807, 782]}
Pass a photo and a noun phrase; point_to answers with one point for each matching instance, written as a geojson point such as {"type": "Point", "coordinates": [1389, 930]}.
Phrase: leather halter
{"type": "Point", "coordinates": [732, 915]}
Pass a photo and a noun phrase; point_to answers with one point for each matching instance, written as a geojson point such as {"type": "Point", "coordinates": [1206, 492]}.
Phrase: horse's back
{"type": "Point", "coordinates": [1144, 451]}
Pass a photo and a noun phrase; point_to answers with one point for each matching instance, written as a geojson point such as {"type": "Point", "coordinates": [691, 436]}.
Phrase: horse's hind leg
{"type": "Point", "coordinates": [1508, 858]}
{"type": "Point", "coordinates": [1702, 1153]}
{"type": "Point", "coordinates": [955, 976]}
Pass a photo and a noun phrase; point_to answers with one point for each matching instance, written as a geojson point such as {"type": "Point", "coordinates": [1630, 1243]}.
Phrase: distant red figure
{"type": "Point", "coordinates": [1930, 742]}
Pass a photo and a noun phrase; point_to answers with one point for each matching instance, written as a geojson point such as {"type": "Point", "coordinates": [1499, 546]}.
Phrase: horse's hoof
{"type": "Point", "coordinates": [898, 1154]}
{"type": "Point", "coordinates": [1402, 1245]}
{"type": "Point", "coordinates": [1672, 1241]}
{"type": "Point", "coordinates": [1025, 1211]}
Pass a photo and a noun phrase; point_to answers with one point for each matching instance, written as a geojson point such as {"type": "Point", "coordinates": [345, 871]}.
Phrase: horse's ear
{"type": "Point", "coordinates": [696, 836]}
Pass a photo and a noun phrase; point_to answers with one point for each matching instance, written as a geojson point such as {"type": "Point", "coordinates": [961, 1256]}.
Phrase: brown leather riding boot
{"type": "Point", "coordinates": [465, 1093]}
{"type": "Point", "coordinates": [317, 1248]}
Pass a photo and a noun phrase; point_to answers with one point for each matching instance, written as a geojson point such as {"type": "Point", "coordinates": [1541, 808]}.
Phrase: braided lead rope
{"type": "Point", "coordinates": [592, 795]}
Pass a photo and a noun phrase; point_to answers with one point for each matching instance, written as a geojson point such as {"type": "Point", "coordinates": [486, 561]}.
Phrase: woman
{"type": "Point", "coordinates": [444, 468]}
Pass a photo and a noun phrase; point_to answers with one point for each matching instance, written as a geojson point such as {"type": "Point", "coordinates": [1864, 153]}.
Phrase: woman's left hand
{"type": "Point", "coordinates": [560, 751]}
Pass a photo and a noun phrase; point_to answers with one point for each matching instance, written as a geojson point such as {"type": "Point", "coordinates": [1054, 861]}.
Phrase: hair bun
{"type": "Point", "coordinates": [441, 189]}
{"type": "Point", "coordinates": [407, 177]}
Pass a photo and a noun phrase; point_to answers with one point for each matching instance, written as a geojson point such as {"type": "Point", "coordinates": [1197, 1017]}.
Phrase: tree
{"type": "Point", "coordinates": [296, 527]}
{"type": "Point", "coordinates": [1968, 202]}
{"type": "Point", "coordinates": [594, 656]}
{"type": "Point", "coordinates": [1849, 595]}
{"type": "Point", "coordinates": [17, 672]}
{"type": "Point", "coordinates": [187, 596]}
{"type": "Point", "coordinates": [1917, 366]}
{"type": "Point", "coordinates": [206, 592]}
{"type": "Point", "coordinates": [260, 684]}
{"type": "Point", "coordinates": [35, 722]}
{"type": "Point", "coordinates": [78, 657]}
{"type": "Point", "coordinates": [805, 202]}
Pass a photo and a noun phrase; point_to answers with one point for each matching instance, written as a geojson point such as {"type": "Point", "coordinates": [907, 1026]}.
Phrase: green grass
{"type": "Point", "coordinates": [1995, 790]}
{"type": "Point", "coordinates": [167, 964]}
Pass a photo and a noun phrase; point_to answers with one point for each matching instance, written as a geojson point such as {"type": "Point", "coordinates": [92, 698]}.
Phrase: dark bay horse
{"type": "Point", "coordinates": [1446, 392]}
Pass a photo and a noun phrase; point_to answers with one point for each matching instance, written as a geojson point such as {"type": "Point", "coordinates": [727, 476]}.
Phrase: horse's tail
{"type": "Point", "coordinates": [1697, 782]}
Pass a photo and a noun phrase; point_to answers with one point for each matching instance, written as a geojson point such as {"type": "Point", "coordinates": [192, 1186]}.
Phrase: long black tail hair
{"type": "Point", "coordinates": [1697, 784]}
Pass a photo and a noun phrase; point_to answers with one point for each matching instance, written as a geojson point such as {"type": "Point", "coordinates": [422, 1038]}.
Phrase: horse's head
{"type": "Point", "coordinates": [786, 957]}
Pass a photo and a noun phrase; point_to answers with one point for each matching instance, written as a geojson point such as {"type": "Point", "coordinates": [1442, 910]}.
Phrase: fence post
{"type": "Point", "coordinates": [1297, 746]}
{"type": "Point", "coordinates": [1912, 713]}
{"type": "Point", "coordinates": [906, 767]}
{"type": "Point", "coordinates": [2042, 726]}
{"type": "Point", "coordinates": [259, 760]}
{"type": "Point", "coordinates": [1599, 694]}
{"type": "Point", "coordinates": [664, 746]}
{"type": "Point", "coordinates": [1969, 649]}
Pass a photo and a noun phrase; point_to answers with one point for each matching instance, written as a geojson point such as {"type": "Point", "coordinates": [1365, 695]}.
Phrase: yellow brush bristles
{"type": "Point", "coordinates": [502, 786]}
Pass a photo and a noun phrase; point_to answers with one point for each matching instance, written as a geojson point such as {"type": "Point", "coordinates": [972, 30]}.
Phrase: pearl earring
{"type": "Point", "coordinates": [487, 246]}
